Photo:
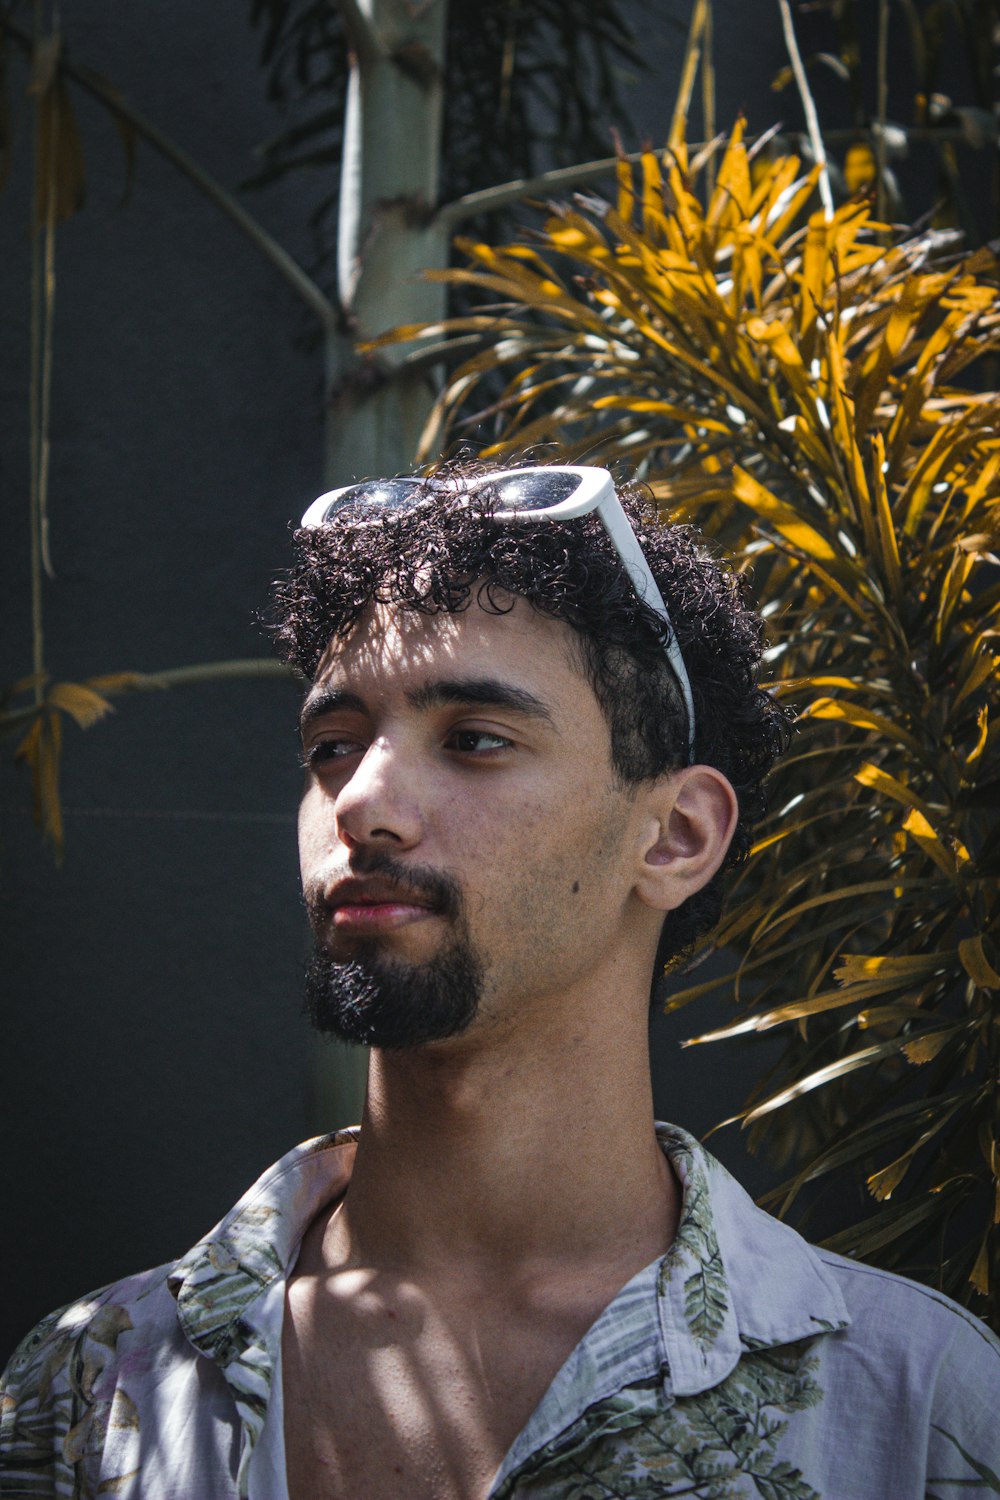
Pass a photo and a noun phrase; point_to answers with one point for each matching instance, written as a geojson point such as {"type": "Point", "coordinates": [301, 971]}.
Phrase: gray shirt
{"type": "Point", "coordinates": [744, 1362]}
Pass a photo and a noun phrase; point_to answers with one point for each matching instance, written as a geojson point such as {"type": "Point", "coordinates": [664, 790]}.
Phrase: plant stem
{"type": "Point", "coordinates": [286, 266]}
{"type": "Point", "coordinates": [708, 100]}
{"type": "Point", "coordinates": [487, 200]}
{"type": "Point", "coordinates": [257, 668]}
{"type": "Point", "coordinates": [883, 103]}
{"type": "Point", "coordinates": [692, 56]}
{"type": "Point", "coordinates": [808, 107]}
{"type": "Point", "coordinates": [48, 293]}
{"type": "Point", "coordinates": [34, 402]}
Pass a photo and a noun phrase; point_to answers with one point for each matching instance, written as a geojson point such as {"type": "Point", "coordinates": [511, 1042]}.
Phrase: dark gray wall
{"type": "Point", "coordinates": [152, 1057]}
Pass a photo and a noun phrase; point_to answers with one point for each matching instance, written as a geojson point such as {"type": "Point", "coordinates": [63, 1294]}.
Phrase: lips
{"type": "Point", "coordinates": [374, 905]}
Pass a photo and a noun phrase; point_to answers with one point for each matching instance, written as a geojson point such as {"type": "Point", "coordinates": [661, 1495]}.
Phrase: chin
{"type": "Point", "coordinates": [382, 1000]}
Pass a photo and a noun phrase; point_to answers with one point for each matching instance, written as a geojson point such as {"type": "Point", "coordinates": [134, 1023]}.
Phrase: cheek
{"type": "Point", "coordinates": [313, 830]}
{"type": "Point", "coordinates": [545, 857]}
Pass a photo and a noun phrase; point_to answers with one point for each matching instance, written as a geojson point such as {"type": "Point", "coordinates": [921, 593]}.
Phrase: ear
{"type": "Point", "coordinates": [690, 818]}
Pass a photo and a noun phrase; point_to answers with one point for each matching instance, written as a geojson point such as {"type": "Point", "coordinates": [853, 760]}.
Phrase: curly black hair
{"type": "Point", "coordinates": [448, 551]}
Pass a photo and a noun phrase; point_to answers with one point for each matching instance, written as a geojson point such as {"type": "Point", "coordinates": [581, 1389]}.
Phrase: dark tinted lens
{"type": "Point", "coordinates": [371, 494]}
{"type": "Point", "coordinates": [534, 491]}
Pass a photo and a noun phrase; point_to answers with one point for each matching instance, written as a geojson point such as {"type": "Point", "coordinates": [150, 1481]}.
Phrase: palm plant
{"type": "Point", "coordinates": [804, 387]}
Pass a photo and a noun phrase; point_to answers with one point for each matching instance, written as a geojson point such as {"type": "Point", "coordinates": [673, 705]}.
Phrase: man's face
{"type": "Point", "coordinates": [467, 855]}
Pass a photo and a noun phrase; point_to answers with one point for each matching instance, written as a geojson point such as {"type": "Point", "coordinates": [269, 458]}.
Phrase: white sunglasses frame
{"type": "Point", "coordinates": [595, 492]}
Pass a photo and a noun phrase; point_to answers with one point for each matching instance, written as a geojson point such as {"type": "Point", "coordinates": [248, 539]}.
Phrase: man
{"type": "Point", "coordinates": [527, 761]}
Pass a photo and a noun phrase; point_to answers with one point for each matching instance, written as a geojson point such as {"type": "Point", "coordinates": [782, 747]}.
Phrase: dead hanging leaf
{"type": "Point", "coordinates": [40, 750]}
{"type": "Point", "coordinates": [83, 704]}
{"type": "Point", "coordinates": [882, 1184]}
{"type": "Point", "coordinates": [60, 180]}
{"type": "Point", "coordinates": [972, 953]}
{"type": "Point", "coordinates": [980, 1273]}
{"type": "Point", "coordinates": [923, 1049]}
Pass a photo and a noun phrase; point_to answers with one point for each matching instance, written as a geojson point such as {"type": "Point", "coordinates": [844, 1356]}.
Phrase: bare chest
{"type": "Point", "coordinates": [387, 1396]}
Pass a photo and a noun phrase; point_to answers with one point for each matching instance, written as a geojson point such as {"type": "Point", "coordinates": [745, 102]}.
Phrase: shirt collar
{"type": "Point", "coordinates": [230, 1286]}
{"type": "Point", "coordinates": [734, 1279]}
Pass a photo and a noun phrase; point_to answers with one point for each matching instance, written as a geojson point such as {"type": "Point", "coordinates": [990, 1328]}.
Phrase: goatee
{"type": "Point", "coordinates": [385, 1002]}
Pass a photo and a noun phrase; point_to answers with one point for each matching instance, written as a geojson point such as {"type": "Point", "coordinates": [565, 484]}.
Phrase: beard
{"type": "Point", "coordinates": [380, 1001]}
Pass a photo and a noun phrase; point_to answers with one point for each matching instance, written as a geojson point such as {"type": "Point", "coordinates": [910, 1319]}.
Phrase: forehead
{"type": "Point", "coordinates": [390, 645]}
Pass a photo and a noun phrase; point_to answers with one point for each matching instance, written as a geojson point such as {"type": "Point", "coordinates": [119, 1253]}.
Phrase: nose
{"type": "Point", "coordinates": [378, 804]}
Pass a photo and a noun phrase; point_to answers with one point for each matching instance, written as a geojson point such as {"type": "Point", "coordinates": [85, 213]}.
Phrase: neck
{"type": "Point", "coordinates": [530, 1150]}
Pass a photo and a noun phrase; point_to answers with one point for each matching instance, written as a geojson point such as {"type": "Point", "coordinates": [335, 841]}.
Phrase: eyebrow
{"type": "Point", "coordinates": [482, 692]}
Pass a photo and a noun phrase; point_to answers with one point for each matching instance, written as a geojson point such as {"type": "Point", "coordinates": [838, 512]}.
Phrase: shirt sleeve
{"type": "Point", "coordinates": [32, 1414]}
{"type": "Point", "coordinates": [963, 1453]}
{"type": "Point", "coordinates": [56, 1398]}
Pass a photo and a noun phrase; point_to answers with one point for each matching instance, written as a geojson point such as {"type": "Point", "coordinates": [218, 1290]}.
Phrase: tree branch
{"type": "Point", "coordinates": [301, 283]}
{"type": "Point", "coordinates": [487, 200]}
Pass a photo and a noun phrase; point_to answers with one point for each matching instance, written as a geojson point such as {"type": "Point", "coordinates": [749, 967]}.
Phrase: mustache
{"type": "Point", "coordinates": [440, 891]}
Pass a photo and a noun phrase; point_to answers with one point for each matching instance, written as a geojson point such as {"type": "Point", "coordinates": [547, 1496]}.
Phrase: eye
{"type": "Point", "coordinates": [332, 748]}
{"type": "Point", "coordinates": [477, 742]}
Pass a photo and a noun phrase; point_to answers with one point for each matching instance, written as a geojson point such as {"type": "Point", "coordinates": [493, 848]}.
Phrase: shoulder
{"type": "Point", "coordinates": [100, 1317]}
{"type": "Point", "coordinates": [904, 1315]}
{"type": "Point", "coordinates": [933, 1361]}
{"type": "Point", "coordinates": [913, 1326]}
{"type": "Point", "coordinates": [61, 1383]}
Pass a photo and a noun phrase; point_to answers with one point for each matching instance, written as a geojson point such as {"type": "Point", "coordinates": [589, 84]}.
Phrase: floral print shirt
{"type": "Point", "coordinates": [743, 1363]}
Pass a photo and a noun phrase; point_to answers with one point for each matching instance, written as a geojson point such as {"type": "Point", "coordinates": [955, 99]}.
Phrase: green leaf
{"type": "Point", "coordinates": [889, 1224]}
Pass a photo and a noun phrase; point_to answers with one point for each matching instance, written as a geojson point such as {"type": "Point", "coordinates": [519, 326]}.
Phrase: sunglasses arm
{"type": "Point", "coordinates": [634, 561]}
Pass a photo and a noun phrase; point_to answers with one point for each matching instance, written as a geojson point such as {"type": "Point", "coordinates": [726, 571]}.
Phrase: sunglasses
{"type": "Point", "coordinates": [547, 492]}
